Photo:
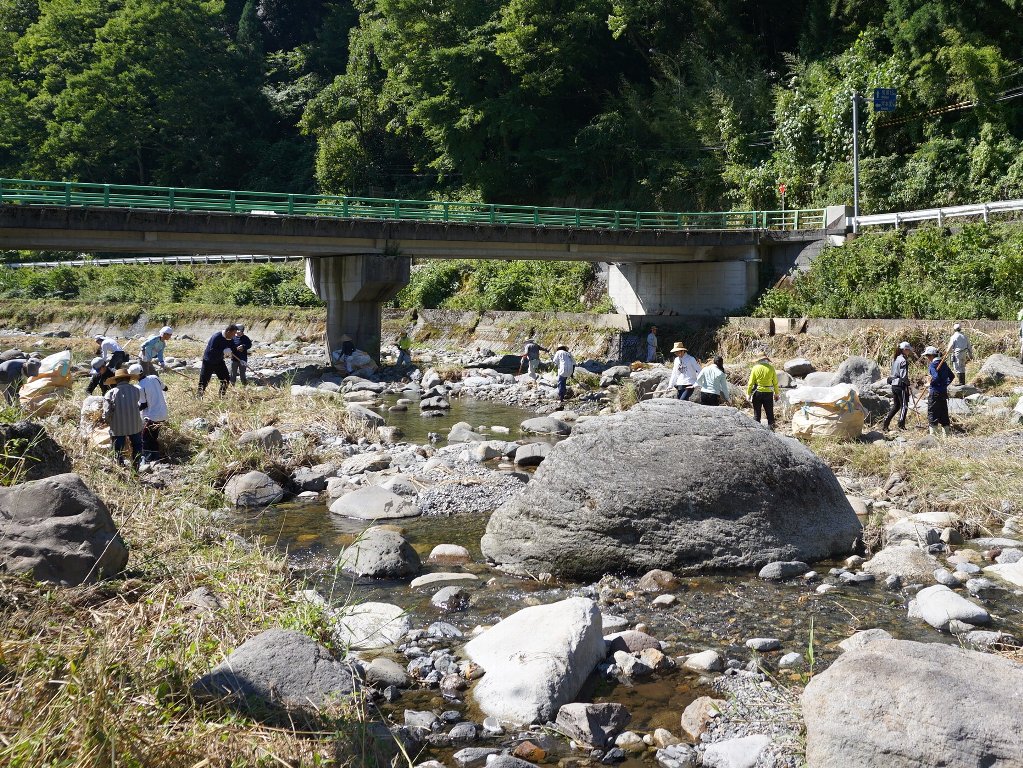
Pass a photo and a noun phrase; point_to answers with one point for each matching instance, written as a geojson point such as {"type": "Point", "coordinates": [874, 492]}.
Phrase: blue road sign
{"type": "Point", "coordinates": [884, 99]}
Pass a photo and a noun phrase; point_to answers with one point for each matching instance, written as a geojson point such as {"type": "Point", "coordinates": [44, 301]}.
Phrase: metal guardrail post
{"type": "Point", "coordinates": [796, 225]}
{"type": "Point", "coordinates": [67, 194]}
{"type": "Point", "coordinates": [291, 205]}
{"type": "Point", "coordinates": [234, 202]}
{"type": "Point", "coordinates": [493, 214]}
{"type": "Point", "coordinates": [617, 224]}
{"type": "Point", "coordinates": [445, 207]}
{"type": "Point", "coordinates": [106, 195]}
{"type": "Point", "coordinates": [344, 207]}
{"type": "Point", "coordinates": [170, 197]}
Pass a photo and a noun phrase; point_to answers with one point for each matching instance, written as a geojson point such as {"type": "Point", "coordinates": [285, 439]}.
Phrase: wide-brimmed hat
{"type": "Point", "coordinates": [764, 356]}
{"type": "Point", "coordinates": [679, 347]}
{"type": "Point", "coordinates": [121, 374]}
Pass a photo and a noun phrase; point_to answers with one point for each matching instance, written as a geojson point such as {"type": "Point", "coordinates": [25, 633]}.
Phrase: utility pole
{"type": "Point", "coordinates": [856, 159]}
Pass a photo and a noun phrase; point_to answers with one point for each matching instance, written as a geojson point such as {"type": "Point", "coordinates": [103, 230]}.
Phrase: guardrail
{"type": "Point", "coordinates": [76, 194]}
{"type": "Point", "coordinates": [982, 210]}
{"type": "Point", "coordinates": [212, 258]}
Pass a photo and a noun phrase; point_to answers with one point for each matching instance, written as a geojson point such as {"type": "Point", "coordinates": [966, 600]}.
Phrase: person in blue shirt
{"type": "Point", "coordinates": [937, 392]}
{"type": "Point", "coordinates": [152, 351]}
{"type": "Point", "coordinates": [213, 359]}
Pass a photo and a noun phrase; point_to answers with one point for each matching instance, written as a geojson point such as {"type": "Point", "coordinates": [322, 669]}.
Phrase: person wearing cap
{"type": "Point", "coordinates": [121, 412]}
{"type": "Point", "coordinates": [240, 358]}
{"type": "Point", "coordinates": [713, 383]}
{"type": "Point", "coordinates": [152, 350]}
{"type": "Point", "coordinates": [11, 374]}
{"type": "Point", "coordinates": [217, 348]}
{"type": "Point", "coordinates": [762, 389]}
{"type": "Point", "coordinates": [937, 392]}
{"type": "Point", "coordinates": [100, 372]}
{"type": "Point", "coordinates": [683, 372]}
{"type": "Point", "coordinates": [651, 345]}
{"type": "Point", "coordinates": [899, 380]}
{"type": "Point", "coordinates": [153, 407]}
{"type": "Point", "coordinates": [111, 350]}
{"type": "Point", "coordinates": [960, 352]}
{"type": "Point", "coordinates": [531, 357]}
{"type": "Point", "coordinates": [566, 367]}
{"type": "Point", "coordinates": [404, 350]}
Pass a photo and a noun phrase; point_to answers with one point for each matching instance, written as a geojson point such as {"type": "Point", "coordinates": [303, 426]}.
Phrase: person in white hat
{"type": "Point", "coordinates": [937, 393]}
{"type": "Point", "coordinates": [153, 406]}
{"type": "Point", "coordinates": [100, 372]}
{"type": "Point", "coordinates": [899, 380]}
{"type": "Point", "coordinates": [152, 350]}
{"type": "Point", "coordinates": [762, 389]}
{"type": "Point", "coordinates": [109, 349]}
{"type": "Point", "coordinates": [683, 372]}
{"type": "Point", "coordinates": [960, 352]}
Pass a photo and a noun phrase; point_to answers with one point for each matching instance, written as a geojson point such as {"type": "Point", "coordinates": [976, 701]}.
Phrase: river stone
{"type": "Point", "coordinates": [58, 530]}
{"type": "Point", "coordinates": [697, 716]}
{"type": "Point", "coordinates": [443, 579]}
{"type": "Point", "coordinates": [798, 367]}
{"type": "Point", "coordinates": [265, 437]}
{"type": "Point", "coordinates": [450, 554]}
{"type": "Point", "coordinates": [584, 515]}
{"type": "Point", "coordinates": [313, 478]}
{"type": "Point", "coordinates": [374, 503]}
{"type": "Point", "coordinates": [863, 638]}
{"type": "Point", "coordinates": [434, 404]}
{"type": "Point", "coordinates": [381, 553]}
{"type": "Point", "coordinates": [615, 374]}
{"type": "Point", "coordinates": [382, 672]}
{"type": "Point", "coordinates": [281, 669]}
{"type": "Point", "coordinates": [545, 425]}
{"type": "Point", "coordinates": [253, 489]}
{"type": "Point", "coordinates": [28, 446]}
{"type": "Point", "coordinates": [763, 644]}
{"type": "Point", "coordinates": [779, 571]}
{"type": "Point", "coordinates": [819, 379]}
{"type": "Point", "coordinates": [369, 625]}
{"type": "Point", "coordinates": [1010, 572]}
{"type": "Point", "coordinates": [858, 371]}
{"type": "Point", "coordinates": [735, 753]}
{"type": "Point", "coordinates": [531, 454]}
{"type": "Point", "coordinates": [922, 528]}
{"type": "Point", "coordinates": [657, 580]}
{"type": "Point", "coordinates": [364, 414]}
{"type": "Point", "coordinates": [915, 704]}
{"type": "Point", "coordinates": [909, 562]}
{"type": "Point", "coordinates": [704, 661]}
{"type": "Point", "coordinates": [998, 368]}
{"type": "Point", "coordinates": [463, 433]}
{"type": "Point", "coordinates": [593, 725]}
{"type": "Point", "coordinates": [938, 605]}
{"type": "Point", "coordinates": [630, 641]}
{"type": "Point", "coordinates": [536, 660]}
{"type": "Point", "coordinates": [365, 462]}
{"type": "Point", "coordinates": [450, 599]}
{"type": "Point", "coordinates": [489, 449]}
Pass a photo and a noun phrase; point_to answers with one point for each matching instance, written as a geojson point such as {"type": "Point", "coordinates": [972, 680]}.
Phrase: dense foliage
{"type": "Point", "coordinates": [976, 272]}
{"type": "Point", "coordinates": [700, 104]}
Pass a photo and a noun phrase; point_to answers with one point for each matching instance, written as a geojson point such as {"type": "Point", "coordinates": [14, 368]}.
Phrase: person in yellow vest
{"type": "Point", "coordinates": [762, 389]}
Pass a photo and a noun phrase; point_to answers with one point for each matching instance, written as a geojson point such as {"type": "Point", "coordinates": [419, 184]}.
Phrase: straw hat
{"type": "Point", "coordinates": [679, 347]}
{"type": "Point", "coordinates": [121, 374]}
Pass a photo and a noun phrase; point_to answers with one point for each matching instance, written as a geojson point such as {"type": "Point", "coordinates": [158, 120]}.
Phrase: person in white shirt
{"type": "Point", "coordinates": [566, 367]}
{"type": "Point", "coordinates": [111, 351]}
{"type": "Point", "coordinates": [684, 371]}
{"type": "Point", "coordinates": [153, 406]}
{"type": "Point", "coordinates": [960, 352]}
{"type": "Point", "coordinates": [651, 344]}
{"type": "Point", "coordinates": [713, 383]}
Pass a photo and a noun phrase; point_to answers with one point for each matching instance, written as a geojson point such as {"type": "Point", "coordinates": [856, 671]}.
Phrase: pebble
{"type": "Point", "coordinates": [944, 576]}
{"type": "Point", "coordinates": [790, 661]}
{"type": "Point", "coordinates": [763, 644]}
{"type": "Point", "coordinates": [473, 757]}
{"type": "Point", "coordinates": [968, 568]}
{"type": "Point", "coordinates": [492, 726]}
{"type": "Point", "coordinates": [704, 661]}
{"type": "Point", "coordinates": [664, 600]}
{"type": "Point", "coordinates": [677, 756]}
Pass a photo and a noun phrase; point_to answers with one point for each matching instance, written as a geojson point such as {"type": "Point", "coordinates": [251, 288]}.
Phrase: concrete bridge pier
{"type": "Point", "coordinates": [684, 288]}
{"type": "Point", "coordinates": [355, 288]}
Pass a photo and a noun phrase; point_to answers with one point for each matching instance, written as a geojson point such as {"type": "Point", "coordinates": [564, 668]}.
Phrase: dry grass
{"type": "Point", "coordinates": [100, 675]}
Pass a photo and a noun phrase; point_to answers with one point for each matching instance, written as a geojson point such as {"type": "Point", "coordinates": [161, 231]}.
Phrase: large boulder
{"type": "Point", "coordinates": [903, 704]}
{"type": "Point", "coordinates": [536, 660]}
{"type": "Point", "coordinates": [799, 367]}
{"type": "Point", "coordinates": [372, 502]}
{"type": "Point", "coordinates": [366, 626]}
{"type": "Point", "coordinates": [29, 453]}
{"type": "Point", "coordinates": [616, 496]}
{"type": "Point", "coordinates": [279, 670]}
{"type": "Point", "coordinates": [253, 489]}
{"type": "Point", "coordinates": [907, 561]}
{"type": "Point", "coordinates": [58, 530]}
{"type": "Point", "coordinates": [380, 552]}
{"type": "Point", "coordinates": [999, 368]}
{"type": "Point", "coordinates": [545, 425]}
{"type": "Point", "coordinates": [858, 371]}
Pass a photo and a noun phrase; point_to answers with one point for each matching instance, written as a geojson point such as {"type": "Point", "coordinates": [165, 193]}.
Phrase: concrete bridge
{"type": "Point", "coordinates": [358, 251]}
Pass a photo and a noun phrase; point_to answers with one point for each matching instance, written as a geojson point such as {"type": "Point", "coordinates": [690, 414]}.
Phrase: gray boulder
{"type": "Point", "coordinates": [373, 502]}
{"type": "Point", "coordinates": [365, 626]}
{"type": "Point", "coordinates": [365, 462]}
{"type": "Point", "coordinates": [799, 367]}
{"type": "Point", "coordinates": [939, 606]}
{"type": "Point", "coordinates": [593, 725]}
{"type": "Point", "coordinates": [536, 660]}
{"type": "Point", "coordinates": [29, 453]}
{"type": "Point", "coordinates": [819, 379]}
{"type": "Point", "coordinates": [463, 433]}
{"type": "Point", "coordinates": [364, 414]}
{"type": "Point", "coordinates": [58, 530]}
{"type": "Point", "coordinates": [615, 374]}
{"type": "Point", "coordinates": [313, 478]}
{"type": "Point", "coordinates": [281, 670]}
{"type": "Point", "coordinates": [585, 514]}
{"type": "Point", "coordinates": [998, 368]}
{"type": "Point", "coordinates": [531, 454]}
{"type": "Point", "coordinates": [904, 704]}
{"type": "Point", "coordinates": [380, 552]}
{"type": "Point", "coordinates": [858, 371]}
{"type": "Point", "coordinates": [545, 425]}
{"type": "Point", "coordinates": [253, 489]}
{"type": "Point", "coordinates": [910, 562]}
{"type": "Point", "coordinates": [267, 438]}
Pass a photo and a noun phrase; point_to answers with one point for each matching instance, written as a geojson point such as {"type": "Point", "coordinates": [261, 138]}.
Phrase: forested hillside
{"type": "Point", "coordinates": [681, 104]}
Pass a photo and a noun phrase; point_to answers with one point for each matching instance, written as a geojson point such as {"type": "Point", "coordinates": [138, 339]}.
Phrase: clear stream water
{"type": "Point", "coordinates": [718, 611]}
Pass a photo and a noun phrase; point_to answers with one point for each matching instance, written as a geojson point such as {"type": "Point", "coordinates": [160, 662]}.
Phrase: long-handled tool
{"type": "Point", "coordinates": [245, 364]}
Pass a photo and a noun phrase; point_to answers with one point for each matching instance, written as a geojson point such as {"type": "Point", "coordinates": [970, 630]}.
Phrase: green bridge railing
{"type": "Point", "coordinates": [77, 194]}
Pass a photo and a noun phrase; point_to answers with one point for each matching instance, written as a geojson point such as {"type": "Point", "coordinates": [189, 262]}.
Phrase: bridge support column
{"type": "Point", "coordinates": [689, 288]}
{"type": "Point", "coordinates": [355, 287]}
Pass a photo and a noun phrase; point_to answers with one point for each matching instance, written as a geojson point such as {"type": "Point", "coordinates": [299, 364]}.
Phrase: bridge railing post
{"type": "Point", "coordinates": [106, 195]}
{"type": "Point", "coordinates": [67, 194]}
{"type": "Point", "coordinates": [618, 223]}
{"type": "Point", "coordinates": [170, 197]}
{"type": "Point", "coordinates": [796, 224]}
{"type": "Point", "coordinates": [291, 205]}
{"type": "Point", "coordinates": [234, 202]}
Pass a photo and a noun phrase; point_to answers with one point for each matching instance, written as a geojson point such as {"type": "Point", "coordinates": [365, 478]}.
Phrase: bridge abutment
{"type": "Point", "coordinates": [355, 288]}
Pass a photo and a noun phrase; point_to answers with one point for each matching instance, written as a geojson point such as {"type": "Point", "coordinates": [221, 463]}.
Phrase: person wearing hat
{"type": "Point", "coordinates": [153, 407]}
{"type": "Point", "coordinates": [683, 372]}
{"type": "Point", "coordinates": [762, 389]}
{"type": "Point", "coordinates": [937, 392]}
{"type": "Point", "coordinates": [404, 350]}
{"type": "Point", "coordinates": [899, 380]}
{"type": "Point", "coordinates": [713, 383]}
{"type": "Point", "coordinates": [342, 357]}
{"type": "Point", "coordinates": [111, 350]}
{"type": "Point", "coordinates": [566, 367]}
{"type": "Point", "coordinates": [651, 344]}
{"type": "Point", "coordinates": [152, 350]}
{"type": "Point", "coordinates": [11, 374]}
{"type": "Point", "coordinates": [217, 348]}
{"type": "Point", "coordinates": [100, 372]}
{"type": "Point", "coordinates": [240, 358]}
{"type": "Point", "coordinates": [121, 412]}
{"type": "Point", "coordinates": [531, 357]}
{"type": "Point", "coordinates": [960, 352]}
